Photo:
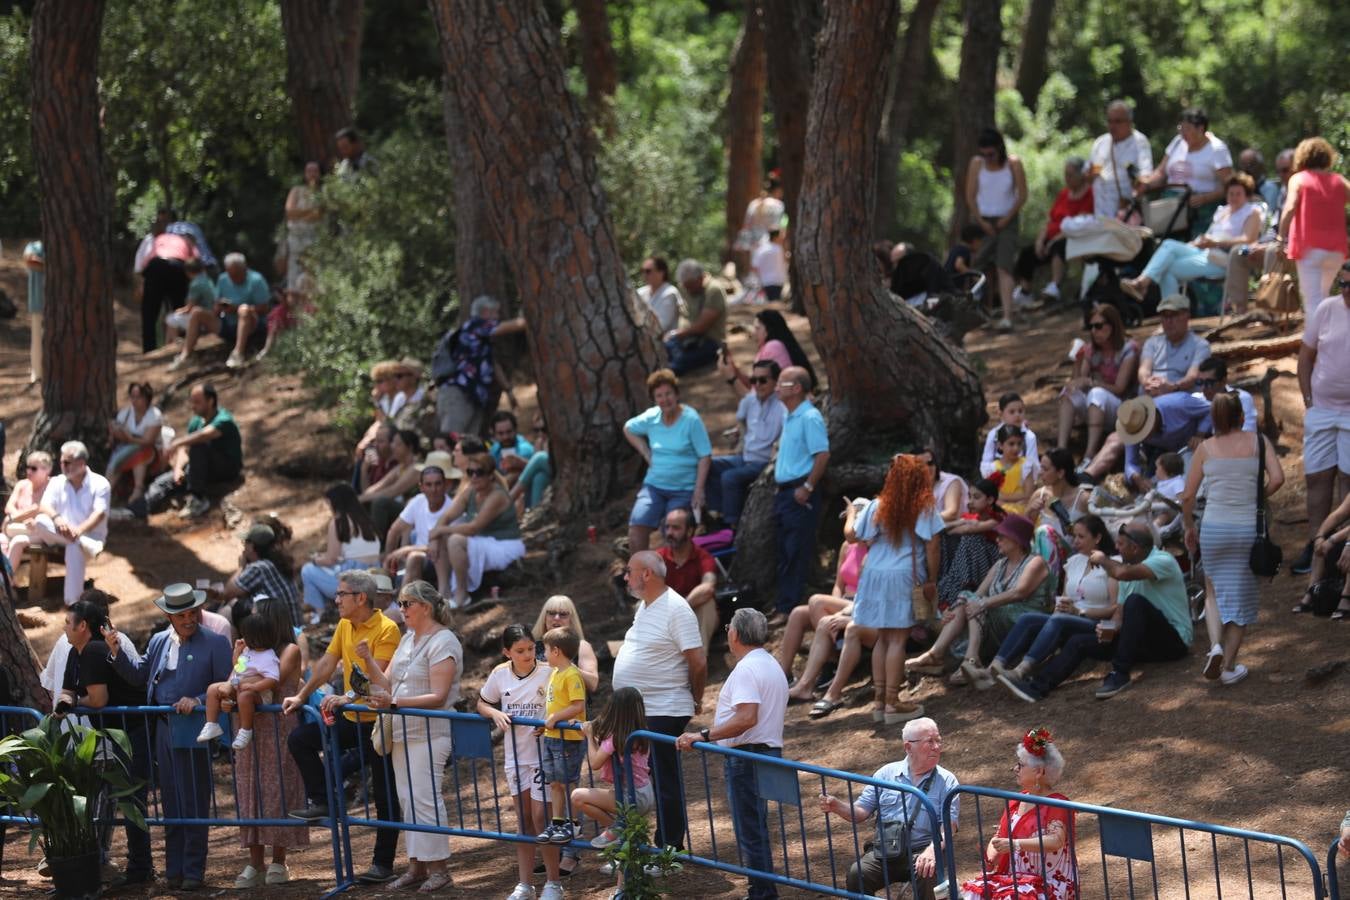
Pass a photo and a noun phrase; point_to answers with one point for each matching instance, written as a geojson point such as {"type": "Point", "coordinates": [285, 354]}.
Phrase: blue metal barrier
{"type": "Point", "coordinates": [810, 851]}
{"type": "Point", "coordinates": [12, 721]}
{"type": "Point", "coordinates": [1333, 888]}
{"type": "Point", "coordinates": [1127, 839]}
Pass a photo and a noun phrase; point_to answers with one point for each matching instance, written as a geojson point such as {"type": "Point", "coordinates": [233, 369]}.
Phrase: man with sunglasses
{"type": "Point", "coordinates": [1213, 381]}
{"type": "Point", "coordinates": [73, 514]}
{"type": "Point", "coordinates": [408, 538]}
{"type": "Point", "coordinates": [759, 418]}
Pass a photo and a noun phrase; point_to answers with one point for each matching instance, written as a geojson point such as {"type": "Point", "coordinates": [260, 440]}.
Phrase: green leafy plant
{"type": "Point", "coordinates": [633, 855]}
{"type": "Point", "coordinates": [55, 774]}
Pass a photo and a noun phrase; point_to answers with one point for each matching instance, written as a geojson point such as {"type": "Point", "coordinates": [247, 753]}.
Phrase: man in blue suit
{"type": "Point", "coordinates": [178, 665]}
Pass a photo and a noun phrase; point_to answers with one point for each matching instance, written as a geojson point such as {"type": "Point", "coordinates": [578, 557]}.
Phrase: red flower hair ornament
{"type": "Point", "coordinates": [1036, 740]}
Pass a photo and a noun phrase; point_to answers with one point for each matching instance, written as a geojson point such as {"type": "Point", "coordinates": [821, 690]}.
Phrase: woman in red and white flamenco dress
{"type": "Point", "coordinates": [1031, 856]}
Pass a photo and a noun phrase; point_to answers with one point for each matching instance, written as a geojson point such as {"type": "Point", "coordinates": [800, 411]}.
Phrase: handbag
{"type": "Point", "coordinates": [1168, 215]}
{"type": "Point", "coordinates": [921, 608]}
{"type": "Point", "coordinates": [893, 838]}
{"type": "Point", "coordinates": [1265, 556]}
{"type": "Point", "coordinates": [1278, 292]}
{"type": "Point", "coordinates": [382, 735]}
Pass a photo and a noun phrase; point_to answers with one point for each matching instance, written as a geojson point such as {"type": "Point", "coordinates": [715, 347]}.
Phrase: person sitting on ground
{"type": "Point", "coordinates": [1104, 371]}
{"type": "Point", "coordinates": [950, 491]}
{"type": "Point", "coordinates": [1055, 506]}
{"type": "Point", "coordinates": [1145, 429]}
{"type": "Point", "coordinates": [1074, 199]}
{"type": "Point", "coordinates": [510, 451]}
{"type": "Point", "coordinates": [825, 616]}
{"type": "Point", "coordinates": [1012, 411]}
{"type": "Point", "coordinates": [387, 496]}
{"type": "Point", "coordinates": [23, 505]}
{"type": "Point", "coordinates": [242, 298]}
{"type": "Point", "coordinates": [769, 263]}
{"type": "Point", "coordinates": [696, 343]}
{"type": "Point", "coordinates": [209, 456]}
{"type": "Point", "coordinates": [775, 341]}
{"type": "Point", "coordinates": [413, 405]}
{"type": "Point", "coordinates": [1213, 380]}
{"type": "Point", "coordinates": [254, 676]}
{"type": "Point", "coordinates": [265, 568]}
{"type": "Point", "coordinates": [405, 547]}
{"type": "Point", "coordinates": [1089, 597]}
{"type": "Point", "coordinates": [919, 769]}
{"type": "Point", "coordinates": [1019, 583]}
{"type": "Point", "coordinates": [535, 478]}
{"type": "Point", "coordinates": [72, 514]}
{"type": "Point", "coordinates": [961, 254]}
{"type": "Point", "coordinates": [201, 294]}
{"type": "Point", "coordinates": [1169, 479]}
{"type": "Point", "coordinates": [969, 546]}
{"type": "Point", "coordinates": [691, 571]}
{"type": "Point", "coordinates": [351, 542]}
{"type": "Point", "coordinates": [1329, 560]}
{"type": "Point", "coordinates": [671, 439]}
{"type": "Point", "coordinates": [759, 419]}
{"type": "Point", "coordinates": [659, 294]}
{"type": "Point", "coordinates": [1032, 852]}
{"type": "Point", "coordinates": [477, 533]}
{"type": "Point", "coordinates": [135, 435]}
{"type": "Point", "coordinates": [1235, 224]}
{"type": "Point", "coordinates": [375, 459]}
{"type": "Point", "coordinates": [384, 384]}
{"type": "Point", "coordinates": [1015, 466]}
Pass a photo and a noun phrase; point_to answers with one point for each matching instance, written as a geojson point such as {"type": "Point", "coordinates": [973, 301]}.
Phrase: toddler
{"type": "Point", "coordinates": [1169, 481]}
{"type": "Point", "coordinates": [1014, 466]}
{"type": "Point", "coordinates": [256, 674]}
{"type": "Point", "coordinates": [1011, 411]}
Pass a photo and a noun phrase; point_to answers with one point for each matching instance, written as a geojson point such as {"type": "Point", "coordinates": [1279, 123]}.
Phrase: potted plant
{"type": "Point", "coordinates": [633, 855]}
{"type": "Point", "coordinates": [56, 774]}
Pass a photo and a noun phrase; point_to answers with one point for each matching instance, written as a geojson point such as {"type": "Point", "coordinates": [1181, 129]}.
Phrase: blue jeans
{"type": "Point", "coordinates": [321, 582]}
{"type": "Point", "coordinates": [750, 819]}
{"type": "Point", "coordinates": [536, 477]}
{"type": "Point", "coordinates": [728, 481]}
{"type": "Point", "coordinates": [1175, 261]}
{"type": "Point", "coordinates": [795, 527]}
{"type": "Point", "coordinates": [1035, 636]}
{"type": "Point", "coordinates": [689, 354]}
{"type": "Point", "coordinates": [652, 504]}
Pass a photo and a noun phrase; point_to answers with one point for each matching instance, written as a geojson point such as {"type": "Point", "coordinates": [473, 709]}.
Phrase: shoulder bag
{"type": "Point", "coordinates": [893, 837]}
{"type": "Point", "coordinates": [382, 735]}
{"type": "Point", "coordinates": [1266, 555]}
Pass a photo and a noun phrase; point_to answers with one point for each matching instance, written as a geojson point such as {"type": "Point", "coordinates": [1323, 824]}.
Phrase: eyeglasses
{"type": "Point", "coordinates": [760, 379]}
{"type": "Point", "coordinates": [1343, 285]}
{"type": "Point", "coordinates": [32, 467]}
{"type": "Point", "coordinates": [931, 741]}
{"type": "Point", "coordinates": [404, 604]}
{"type": "Point", "coordinates": [473, 472]}
{"type": "Point", "coordinates": [1098, 325]}
{"type": "Point", "coordinates": [558, 612]}
{"type": "Point", "coordinates": [647, 270]}
{"type": "Point", "coordinates": [341, 593]}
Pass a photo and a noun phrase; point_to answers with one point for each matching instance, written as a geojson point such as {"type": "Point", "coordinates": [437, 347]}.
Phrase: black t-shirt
{"type": "Point", "coordinates": [90, 667]}
{"type": "Point", "coordinates": [961, 252]}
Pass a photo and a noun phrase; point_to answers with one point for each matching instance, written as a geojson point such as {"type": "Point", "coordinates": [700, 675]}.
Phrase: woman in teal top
{"type": "Point", "coordinates": [672, 440]}
{"type": "Point", "coordinates": [477, 533]}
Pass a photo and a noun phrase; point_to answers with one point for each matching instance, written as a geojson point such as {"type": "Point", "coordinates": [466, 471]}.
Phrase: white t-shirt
{"type": "Point", "coordinates": [523, 697]}
{"type": "Point", "coordinates": [769, 260]}
{"type": "Point", "coordinates": [652, 656]}
{"type": "Point", "coordinates": [665, 305]}
{"type": "Point", "coordinates": [1328, 332]}
{"type": "Point", "coordinates": [1086, 586]}
{"type": "Point", "coordinates": [417, 514]}
{"type": "Point", "coordinates": [757, 678]}
{"type": "Point", "coordinates": [126, 420]}
{"type": "Point", "coordinates": [77, 504]}
{"type": "Point", "coordinates": [1198, 168]}
{"type": "Point", "coordinates": [1113, 169]}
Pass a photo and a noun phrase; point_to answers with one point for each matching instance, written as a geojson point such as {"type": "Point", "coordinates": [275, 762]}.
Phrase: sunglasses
{"type": "Point", "coordinates": [473, 472]}
{"type": "Point", "coordinates": [559, 612]}
{"type": "Point", "coordinates": [1343, 285]}
{"type": "Point", "coordinates": [1206, 382]}
{"type": "Point", "coordinates": [1095, 326]}
{"type": "Point", "coordinates": [647, 270]}
{"type": "Point", "coordinates": [32, 467]}
{"type": "Point", "coordinates": [404, 604]}
{"type": "Point", "coordinates": [760, 379]}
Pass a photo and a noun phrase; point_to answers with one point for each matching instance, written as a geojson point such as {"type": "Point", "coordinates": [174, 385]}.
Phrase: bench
{"type": "Point", "coordinates": [38, 556]}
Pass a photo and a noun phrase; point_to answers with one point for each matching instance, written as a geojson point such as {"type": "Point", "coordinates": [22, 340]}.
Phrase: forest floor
{"type": "Point", "coordinates": [1261, 755]}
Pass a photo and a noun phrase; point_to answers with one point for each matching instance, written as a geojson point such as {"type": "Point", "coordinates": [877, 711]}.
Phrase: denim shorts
{"type": "Point", "coordinates": [652, 504]}
{"type": "Point", "coordinates": [562, 760]}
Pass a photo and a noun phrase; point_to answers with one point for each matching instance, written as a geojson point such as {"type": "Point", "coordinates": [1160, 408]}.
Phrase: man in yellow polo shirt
{"type": "Point", "coordinates": [360, 622]}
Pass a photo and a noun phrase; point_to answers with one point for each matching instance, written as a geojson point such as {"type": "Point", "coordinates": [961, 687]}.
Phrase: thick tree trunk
{"type": "Point", "coordinates": [323, 56]}
{"type": "Point", "coordinates": [80, 337]}
{"type": "Point", "coordinates": [1031, 62]}
{"type": "Point", "coordinates": [974, 94]}
{"type": "Point", "coordinates": [536, 162]}
{"type": "Point", "coordinates": [745, 129]}
{"type": "Point", "coordinates": [599, 64]}
{"type": "Point", "coordinates": [912, 52]}
{"type": "Point", "coordinates": [25, 669]}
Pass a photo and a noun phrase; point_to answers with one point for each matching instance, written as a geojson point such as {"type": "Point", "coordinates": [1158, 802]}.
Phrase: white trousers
{"type": "Point", "coordinates": [417, 776]}
{"type": "Point", "coordinates": [78, 553]}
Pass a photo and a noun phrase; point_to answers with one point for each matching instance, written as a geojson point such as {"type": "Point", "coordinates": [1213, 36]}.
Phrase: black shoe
{"type": "Point", "coordinates": [826, 676]}
{"type": "Point", "coordinates": [1303, 565]}
{"type": "Point", "coordinates": [126, 879]}
{"type": "Point", "coordinates": [311, 812]}
{"type": "Point", "coordinates": [376, 875]}
{"type": "Point", "coordinates": [1113, 684]}
{"type": "Point", "coordinates": [189, 885]}
{"type": "Point", "coordinates": [1022, 689]}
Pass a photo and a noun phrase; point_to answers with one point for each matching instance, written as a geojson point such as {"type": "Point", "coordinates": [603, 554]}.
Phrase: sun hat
{"type": "Point", "coordinates": [1135, 419]}
{"type": "Point", "coordinates": [180, 597]}
{"type": "Point", "coordinates": [443, 461]}
{"type": "Point", "coordinates": [1016, 528]}
{"type": "Point", "coordinates": [1174, 303]}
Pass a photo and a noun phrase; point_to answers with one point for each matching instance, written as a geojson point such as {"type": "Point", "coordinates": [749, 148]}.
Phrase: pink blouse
{"type": "Point", "coordinates": [850, 568]}
{"type": "Point", "coordinates": [776, 351]}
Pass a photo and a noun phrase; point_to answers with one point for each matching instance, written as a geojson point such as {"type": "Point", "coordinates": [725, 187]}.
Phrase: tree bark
{"type": "Point", "coordinates": [1035, 47]}
{"type": "Point", "coordinates": [974, 94]}
{"type": "Point", "coordinates": [911, 63]}
{"type": "Point", "coordinates": [745, 129]}
{"type": "Point", "coordinates": [80, 336]}
{"type": "Point", "coordinates": [323, 56]}
{"type": "Point", "coordinates": [536, 162]}
{"type": "Point", "coordinates": [599, 64]}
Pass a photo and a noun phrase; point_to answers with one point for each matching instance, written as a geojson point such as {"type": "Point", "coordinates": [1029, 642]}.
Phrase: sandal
{"type": "Point", "coordinates": [823, 707]}
{"type": "Point", "coordinates": [408, 879]}
{"type": "Point", "coordinates": [1304, 604]}
{"type": "Point", "coordinates": [437, 881]}
{"type": "Point", "coordinates": [924, 668]}
{"type": "Point", "coordinates": [1342, 610]}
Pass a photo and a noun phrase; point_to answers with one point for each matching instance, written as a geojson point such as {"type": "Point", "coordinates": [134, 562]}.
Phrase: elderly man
{"type": "Point", "coordinates": [1146, 429]}
{"type": "Point", "coordinates": [406, 544]}
{"type": "Point", "coordinates": [1254, 164]}
{"type": "Point", "coordinates": [242, 299]}
{"type": "Point", "coordinates": [662, 656]}
{"type": "Point", "coordinates": [1213, 380]}
{"type": "Point", "coordinates": [1324, 382]}
{"type": "Point", "coordinates": [759, 417]}
{"type": "Point", "coordinates": [658, 294]}
{"type": "Point", "coordinates": [803, 454]}
{"type": "Point", "coordinates": [697, 343]}
{"type": "Point", "coordinates": [462, 367]}
{"type": "Point", "coordinates": [1117, 160]}
{"type": "Point", "coordinates": [509, 450]}
{"type": "Point", "coordinates": [208, 456]}
{"type": "Point", "coordinates": [691, 571]}
{"type": "Point", "coordinates": [749, 717]}
{"type": "Point", "coordinates": [353, 160]}
{"type": "Point", "coordinates": [178, 665]}
{"type": "Point", "coordinates": [919, 769]}
{"type": "Point", "coordinates": [1170, 359]}
{"type": "Point", "coordinates": [1264, 255]}
{"type": "Point", "coordinates": [1074, 199]}
{"type": "Point", "coordinates": [73, 514]}
{"type": "Point", "coordinates": [361, 624]}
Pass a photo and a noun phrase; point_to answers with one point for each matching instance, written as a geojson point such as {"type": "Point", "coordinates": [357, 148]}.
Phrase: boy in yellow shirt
{"type": "Point", "coordinates": [563, 749]}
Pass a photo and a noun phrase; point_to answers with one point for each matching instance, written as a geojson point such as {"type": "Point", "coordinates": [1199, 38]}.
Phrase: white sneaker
{"type": "Point", "coordinates": [249, 878]}
{"type": "Point", "coordinates": [1051, 290]}
{"type": "Point", "coordinates": [1022, 297]}
{"type": "Point", "coordinates": [242, 738]}
{"type": "Point", "coordinates": [522, 892]}
{"type": "Point", "coordinates": [1229, 678]}
{"type": "Point", "coordinates": [210, 731]}
{"type": "Point", "coordinates": [1004, 325]}
{"type": "Point", "coordinates": [277, 873]}
{"type": "Point", "coordinates": [178, 362]}
{"type": "Point", "coordinates": [553, 890]}
{"type": "Point", "coordinates": [607, 868]}
{"type": "Point", "coordinates": [235, 360]}
{"type": "Point", "coordinates": [120, 514]}
{"type": "Point", "coordinates": [1214, 662]}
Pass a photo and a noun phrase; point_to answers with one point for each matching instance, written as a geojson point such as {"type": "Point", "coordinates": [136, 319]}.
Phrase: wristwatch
{"type": "Point", "coordinates": [705, 734]}
{"type": "Point", "coordinates": [350, 695]}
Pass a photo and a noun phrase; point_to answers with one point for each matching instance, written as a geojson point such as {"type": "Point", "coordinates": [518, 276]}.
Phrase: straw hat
{"type": "Point", "coordinates": [1135, 419]}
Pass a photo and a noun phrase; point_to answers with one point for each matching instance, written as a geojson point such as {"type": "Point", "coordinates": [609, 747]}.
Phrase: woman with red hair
{"type": "Point", "coordinates": [902, 526]}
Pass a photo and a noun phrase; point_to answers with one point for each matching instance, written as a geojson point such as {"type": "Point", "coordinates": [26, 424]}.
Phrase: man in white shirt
{"type": "Point", "coordinates": [759, 417]}
{"type": "Point", "coordinates": [750, 711]}
{"type": "Point", "coordinates": [662, 656]}
{"type": "Point", "coordinates": [73, 514]}
{"type": "Point", "coordinates": [406, 544]}
{"type": "Point", "coordinates": [1112, 156]}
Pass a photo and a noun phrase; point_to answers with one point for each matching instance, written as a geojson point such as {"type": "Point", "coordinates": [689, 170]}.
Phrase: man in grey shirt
{"type": "Point", "coordinates": [760, 418]}
{"type": "Point", "coordinates": [1170, 361]}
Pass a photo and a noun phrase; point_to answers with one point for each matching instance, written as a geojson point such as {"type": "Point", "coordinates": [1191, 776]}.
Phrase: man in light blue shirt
{"type": "Point", "coordinates": [760, 416]}
{"type": "Point", "coordinates": [1146, 428]}
{"type": "Point", "coordinates": [803, 454]}
{"type": "Point", "coordinates": [242, 298]}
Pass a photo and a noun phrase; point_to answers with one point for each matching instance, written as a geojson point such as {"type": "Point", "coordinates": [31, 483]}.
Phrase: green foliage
{"type": "Point", "coordinates": [632, 853]}
{"type": "Point", "coordinates": [54, 774]}
{"type": "Point", "coordinates": [18, 188]}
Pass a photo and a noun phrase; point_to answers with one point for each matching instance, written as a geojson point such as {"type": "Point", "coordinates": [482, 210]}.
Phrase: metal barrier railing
{"type": "Point", "coordinates": [1122, 855]}
{"type": "Point", "coordinates": [1333, 885]}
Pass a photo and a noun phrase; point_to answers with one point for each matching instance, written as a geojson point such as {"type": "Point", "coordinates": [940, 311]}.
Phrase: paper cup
{"type": "Point", "coordinates": [1075, 347]}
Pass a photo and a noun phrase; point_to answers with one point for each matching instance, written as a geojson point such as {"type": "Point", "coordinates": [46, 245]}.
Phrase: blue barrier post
{"type": "Point", "coordinates": [1333, 885]}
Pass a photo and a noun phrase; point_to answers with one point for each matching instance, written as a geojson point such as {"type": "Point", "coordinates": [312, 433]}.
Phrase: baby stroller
{"type": "Point", "coordinates": [952, 302]}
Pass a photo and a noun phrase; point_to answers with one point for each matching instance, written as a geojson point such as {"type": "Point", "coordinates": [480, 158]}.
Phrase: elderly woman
{"type": "Point", "coordinates": [22, 506]}
{"type": "Point", "coordinates": [1228, 464]}
{"type": "Point", "coordinates": [1236, 223]}
{"type": "Point", "coordinates": [423, 673]}
{"type": "Point", "coordinates": [135, 437]}
{"type": "Point", "coordinates": [1104, 373]}
{"type": "Point", "coordinates": [1019, 583]}
{"type": "Point", "coordinates": [1312, 224]}
{"type": "Point", "coordinates": [1031, 855]}
{"type": "Point", "coordinates": [1199, 160]}
{"type": "Point", "coordinates": [477, 533]}
{"type": "Point", "coordinates": [671, 439]}
{"type": "Point", "coordinates": [1074, 199]}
